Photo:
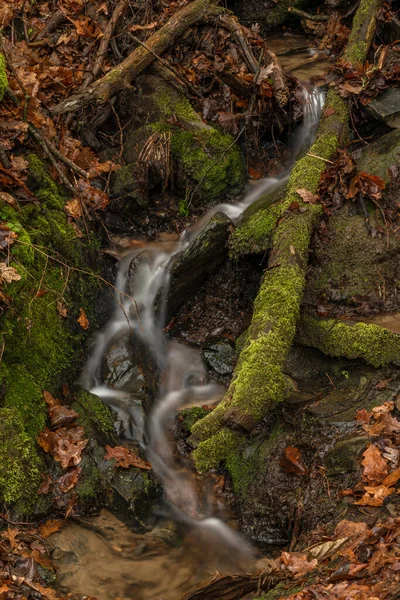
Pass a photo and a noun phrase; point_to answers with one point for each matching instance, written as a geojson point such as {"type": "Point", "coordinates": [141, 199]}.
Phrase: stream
{"type": "Point", "coordinates": [105, 558]}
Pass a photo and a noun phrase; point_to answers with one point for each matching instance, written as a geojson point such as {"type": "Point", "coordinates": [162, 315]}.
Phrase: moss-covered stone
{"type": "Point", "coordinates": [208, 164]}
{"type": "Point", "coordinates": [20, 465]}
{"type": "Point", "coordinates": [363, 29]}
{"type": "Point", "coordinates": [377, 157]}
{"type": "Point", "coordinates": [211, 452]}
{"type": "Point", "coordinates": [189, 416]}
{"type": "Point", "coordinates": [39, 345]}
{"type": "Point", "coordinates": [3, 77]}
{"type": "Point", "coordinates": [376, 345]}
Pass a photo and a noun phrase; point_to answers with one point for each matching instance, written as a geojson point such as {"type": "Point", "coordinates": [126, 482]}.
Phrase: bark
{"type": "Point", "coordinates": [121, 76]}
{"type": "Point", "coordinates": [231, 587]}
{"type": "Point", "coordinates": [258, 383]}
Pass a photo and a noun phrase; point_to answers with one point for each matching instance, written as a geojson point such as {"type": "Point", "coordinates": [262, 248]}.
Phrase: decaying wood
{"type": "Point", "coordinates": [258, 382]}
{"type": "Point", "coordinates": [305, 15]}
{"type": "Point", "coordinates": [240, 86]}
{"type": "Point", "coordinates": [121, 76]}
{"type": "Point", "coordinates": [52, 24]}
{"type": "Point", "coordinates": [232, 587]}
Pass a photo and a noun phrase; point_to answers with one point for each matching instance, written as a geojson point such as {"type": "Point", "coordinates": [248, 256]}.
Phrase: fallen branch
{"type": "Point", "coordinates": [258, 383]}
{"type": "Point", "coordinates": [305, 15]}
{"type": "Point", "coordinates": [121, 76]}
{"type": "Point", "coordinates": [374, 344]}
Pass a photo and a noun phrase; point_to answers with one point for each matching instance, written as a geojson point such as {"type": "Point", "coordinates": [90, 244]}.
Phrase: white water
{"type": "Point", "coordinates": [182, 373]}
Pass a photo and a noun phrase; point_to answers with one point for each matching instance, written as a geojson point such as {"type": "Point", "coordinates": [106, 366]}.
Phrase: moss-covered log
{"type": "Point", "coordinates": [258, 382]}
{"type": "Point", "coordinates": [374, 344]}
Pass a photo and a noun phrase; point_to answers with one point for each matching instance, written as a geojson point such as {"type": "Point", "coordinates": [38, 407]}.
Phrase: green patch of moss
{"type": "Point", "coordinates": [39, 344]}
{"type": "Point", "coordinates": [211, 452]}
{"type": "Point", "coordinates": [20, 464]}
{"type": "Point", "coordinates": [189, 416]}
{"type": "Point", "coordinates": [376, 345]}
{"type": "Point", "coordinates": [208, 161]}
{"type": "Point", "coordinates": [3, 77]}
{"type": "Point", "coordinates": [360, 36]}
{"type": "Point", "coordinates": [95, 416]}
{"type": "Point", "coordinates": [89, 486]}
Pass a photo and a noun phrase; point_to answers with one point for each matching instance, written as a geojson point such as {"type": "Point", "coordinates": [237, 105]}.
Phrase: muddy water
{"type": "Point", "coordinates": [108, 561]}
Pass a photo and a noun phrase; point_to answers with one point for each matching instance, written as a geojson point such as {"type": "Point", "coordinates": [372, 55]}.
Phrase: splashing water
{"type": "Point", "coordinates": [142, 284]}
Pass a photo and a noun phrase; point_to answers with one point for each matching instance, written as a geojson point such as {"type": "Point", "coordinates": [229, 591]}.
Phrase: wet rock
{"type": "Point", "coordinates": [220, 357]}
{"type": "Point", "coordinates": [376, 158]}
{"type": "Point", "coordinates": [343, 457]}
{"type": "Point", "coordinates": [125, 186]}
{"type": "Point", "coordinates": [386, 107]}
{"type": "Point", "coordinates": [254, 229]}
{"type": "Point", "coordinates": [198, 261]}
{"type": "Point", "coordinates": [120, 370]}
{"type": "Point", "coordinates": [268, 14]}
{"type": "Point", "coordinates": [391, 31]}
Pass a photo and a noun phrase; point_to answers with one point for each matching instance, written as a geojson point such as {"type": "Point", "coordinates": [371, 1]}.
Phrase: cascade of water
{"type": "Point", "coordinates": [183, 374]}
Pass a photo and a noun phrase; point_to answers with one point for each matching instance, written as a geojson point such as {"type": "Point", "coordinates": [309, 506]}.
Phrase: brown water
{"type": "Point", "coordinates": [105, 559]}
{"type": "Point", "coordinates": [298, 57]}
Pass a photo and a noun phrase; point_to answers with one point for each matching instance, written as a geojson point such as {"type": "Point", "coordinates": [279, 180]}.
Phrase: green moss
{"type": "Point", "coordinates": [90, 485]}
{"type": "Point", "coordinates": [253, 235]}
{"type": "Point", "coordinates": [40, 346]}
{"type": "Point", "coordinates": [189, 416]}
{"type": "Point", "coordinates": [208, 161]}
{"type": "Point", "coordinates": [20, 465]}
{"type": "Point", "coordinates": [3, 77]}
{"type": "Point", "coordinates": [170, 102]}
{"type": "Point", "coordinates": [360, 36]}
{"type": "Point", "coordinates": [376, 345]}
{"type": "Point", "coordinates": [214, 450]}
{"type": "Point", "coordinates": [95, 416]}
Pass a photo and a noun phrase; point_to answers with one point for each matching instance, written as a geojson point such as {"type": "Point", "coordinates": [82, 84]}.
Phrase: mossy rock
{"type": "Point", "coordinates": [3, 77]}
{"type": "Point", "coordinates": [354, 266]}
{"type": "Point", "coordinates": [40, 347]}
{"type": "Point", "coordinates": [207, 162]}
{"type": "Point", "coordinates": [377, 157]}
{"type": "Point", "coordinates": [254, 229]}
{"type": "Point", "coordinates": [343, 457]}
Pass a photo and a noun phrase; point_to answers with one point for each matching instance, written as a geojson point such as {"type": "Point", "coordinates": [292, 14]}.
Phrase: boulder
{"type": "Point", "coordinates": [386, 107]}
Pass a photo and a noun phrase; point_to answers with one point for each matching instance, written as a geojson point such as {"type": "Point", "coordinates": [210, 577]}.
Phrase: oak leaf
{"type": "Point", "coordinates": [126, 458]}
{"type": "Point", "coordinates": [375, 466]}
{"type": "Point", "coordinates": [292, 462]}
{"type": "Point", "coordinates": [83, 320]}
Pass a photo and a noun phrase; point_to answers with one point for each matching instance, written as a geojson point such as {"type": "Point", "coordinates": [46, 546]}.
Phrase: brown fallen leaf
{"type": "Point", "coordinates": [62, 415]}
{"type": "Point", "coordinates": [69, 480]}
{"type": "Point", "coordinates": [126, 458]}
{"type": "Point", "coordinates": [375, 466]}
{"type": "Point", "coordinates": [45, 485]}
{"type": "Point", "coordinates": [6, 197]}
{"type": "Point", "coordinates": [49, 527]}
{"type": "Point", "coordinates": [374, 495]}
{"type": "Point", "coordinates": [292, 462]}
{"type": "Point", "coordinates": [307, 196]}
{"type": "Point", "coordinates": [83, 320]}
{"type": "Point", "coordinates": [61, 308]}
{"type": "Point", "coordinates": [329, 111]}
{"type": "Point", "coordinates": [351, 529]}
{"type": "Point", "coordinates": [50, 400]}
{"type": "Point", "coordinates": [297, 563]}
{"type": "Point", "coordinates": [8, 274]}
{"type": "Point", "coordinates": [392, 478]}
{"type": "Point", "coordinates": [73, 208]}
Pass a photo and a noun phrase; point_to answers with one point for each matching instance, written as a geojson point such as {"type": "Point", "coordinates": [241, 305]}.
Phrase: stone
{"type": "Point", "coordinates": [343, 457]}
{"type": "Point", "coordinates": [378, 156]}
{"type": "Point", "coordinates": [201, 258]}
{"type": "Point", "coordinates": [387, 107]}
{"type": "Point", "coordinates": [220, 358]}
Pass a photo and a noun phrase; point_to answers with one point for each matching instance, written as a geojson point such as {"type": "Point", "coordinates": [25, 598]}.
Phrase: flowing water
{"type": "Point", "coordinates": [140, 310]}
{"type": "Point", "coordinates": [141, 303]}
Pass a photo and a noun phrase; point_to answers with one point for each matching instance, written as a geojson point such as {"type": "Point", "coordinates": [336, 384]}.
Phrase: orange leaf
{"type": "Point", "coordinates": [392, 478]}
{"type": "Point", "coordinates": [50, 527]}
{"type": "Point", "coordinates": [307, 196]}
{"type": "Point", "coordinates": [375, 466]}
{"type": "Point", "coordinates": [83, 320]}
{"type": "Point", "coordinates": [125, 458]}
{"type": "Point", "coordinates": [292, 462]}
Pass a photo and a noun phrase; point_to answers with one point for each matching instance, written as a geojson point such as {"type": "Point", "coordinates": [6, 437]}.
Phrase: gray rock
{"type": "Point", "coordinates": [201, 258]}
{"type": "Point", "coordinates": [387, 107]}
{"type": "Point", "coordinates": [377, 157]}
{"type": "Point", "coordinates": [343, 457]}
{"type": "Point", "coordinates": [220, 357]}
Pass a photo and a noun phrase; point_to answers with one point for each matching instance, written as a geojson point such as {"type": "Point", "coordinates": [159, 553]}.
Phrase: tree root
{"type": "Point", "coordinates": [374, 344]}
{"type": "Point", "coordinates": [258, 383]}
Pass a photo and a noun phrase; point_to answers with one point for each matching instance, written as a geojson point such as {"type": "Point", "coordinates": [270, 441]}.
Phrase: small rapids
{"type": "Point", "coordinates": [140, 309]}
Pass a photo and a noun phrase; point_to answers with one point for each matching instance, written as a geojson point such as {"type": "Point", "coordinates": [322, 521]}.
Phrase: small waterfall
{"type": "Point", "coordinates": [182, 374]}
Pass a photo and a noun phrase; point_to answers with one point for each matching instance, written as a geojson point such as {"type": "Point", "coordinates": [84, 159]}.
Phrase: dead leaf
{"type": "Point", "coordinates": [307, 196]}
{"type": "Point", "coordinates": [69, 480]}
{"type": "Point", "coordinates": [126, 458]}
{"type": "Point", "coordinates": [74, 208]}
{"type": "Point", "coordinates": [327, 549]}
{"type": "Point", "coordinates": [50, 400]}
{"type": "Point", "coordinates": [329, 111]}
{"type": "Point", "coordinates": [375, 466]}
{"type": "Point", "coordinates": [297, 563]}
{"type": "Point", "coordinates": [292, 462]}
{"type": "Point", "coordinates": [83, 320]}
{"type": "Point", "coordinates": [50, 527]}
{"type": "Point", "coordinates": [392, 478]}
{"type": "Point", "coordinates": [374, 495]}
{"type": "Point", "coordinates": [19, 163]}
{"type": "Point", "coordinates": [61, 308]}
{"type": "Point", "coordinates": [8, 274]}
{"type": "Point", "coordinates": [62, 415]}
{"type": "Point", "coordinates": [8, 198]}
